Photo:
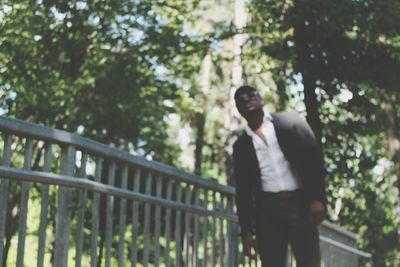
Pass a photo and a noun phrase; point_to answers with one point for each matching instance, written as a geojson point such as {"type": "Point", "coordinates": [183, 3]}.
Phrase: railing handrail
{"type": "Point", "coordinates": [345, 247]}
{"type": "Point", "coordinates": [75, 182]}
{"type": "Point", "coordinates": [65, 138]}
{"type": "Point", "coordinates": [340, 230]}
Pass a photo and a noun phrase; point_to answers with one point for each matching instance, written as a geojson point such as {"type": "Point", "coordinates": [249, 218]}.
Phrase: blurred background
{"type": "Point", "coordinates": [156, 78]}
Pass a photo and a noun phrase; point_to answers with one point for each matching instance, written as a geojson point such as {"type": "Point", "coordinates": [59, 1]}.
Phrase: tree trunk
{"type": "Point", "coordinates": [391, 122]}
{"type": "Point", "coordinates": [101, 248]}
{"type": "Point", "coordinates": [12, 224]}
{"type": "Point", "coordinates": [198, 152]}
{"type": "Point", "coordinates": [200, 117]}
{"type": "Point", "coordinates": [52, 221]}
{"type": "Point", "coordinates": [6, 249]}
{"type": "Point", "coordinates": [312, 104]}
{"type": "Point", "coordinates": [304, 36]}
{"type": "Point", "coordinates": [280, 80]}
{"type": "Point", "coordinates": [12, 219]}
{"type": "Point", "coordinates": [232, 117]}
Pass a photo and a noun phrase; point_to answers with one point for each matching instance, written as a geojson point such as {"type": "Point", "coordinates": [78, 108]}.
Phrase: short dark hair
{"type": "Point", "coordinates": [243, 89]}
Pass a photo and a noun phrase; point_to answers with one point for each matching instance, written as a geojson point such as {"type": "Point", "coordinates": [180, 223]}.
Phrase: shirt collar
{"type": "Point", "coordinates": [267, 118]}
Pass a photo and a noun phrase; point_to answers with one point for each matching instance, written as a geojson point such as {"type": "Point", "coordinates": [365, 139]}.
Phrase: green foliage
{"type": "Point", "coordinates": [352, 49]}
{"type": "Point", "coordinates": [103, 69]}
{"type": "Point", "coordinates": [356, 160]}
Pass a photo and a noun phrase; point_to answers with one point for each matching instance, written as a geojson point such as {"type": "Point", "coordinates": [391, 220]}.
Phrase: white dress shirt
{"type": "Point", "coordinates": [276, 172]}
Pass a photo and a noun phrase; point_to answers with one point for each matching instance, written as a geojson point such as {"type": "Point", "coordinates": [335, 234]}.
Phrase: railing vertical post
{"type": "Point", "coordinates": [23, 213]}
{"type": "Point", "coordinates": [214, 231]}
{"type": "Point", "coordinates": [135, 219]}
{"type": "Point", "coordinates": [238, 245]}
{"type": "Point", "coordinates": [178, 251]}
{"type": "Point", "coordinates": [95, 216]}
{"type": "Point", "coordinates": [236, 252]}
{"type": "Point", "coordinates": [205, 231]}
{"type": "Point", "coordinates": [231, 242]}
{"type": "Point", "coordinates": [48, 156]}
{"type": "Point", "coordinates": [168, 226]}
{"type": "Point", "coordinates": [157, 229]}
{"type": "Point", "coordinates": [188, 197]}
{"type": "Point", "coordinates": [7, 151]}
{"type": "Point", "coordinates": [122, 220]}
{"type": "Point", "coordinates": [109, 215]}
{"type": "Point", "coordinates": [63, 216]}
{"type": "Point", "coordinates": [289, 257]}
{"type": "Point", "coordinates": [196, 229]}
{"type": "Point", "coordinates": [81, 213]}
{"type": "Point", "coordinates": [146, 232]}
{"type": "Point", "coordinates": [221, 234]}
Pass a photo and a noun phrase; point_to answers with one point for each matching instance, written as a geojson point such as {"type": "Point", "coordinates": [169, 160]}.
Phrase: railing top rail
{"type": "Point", "coordinates": [340, 230]}
{"type": "Point", "coordinates": [65, 138]}
{"type": "Point", "coordinates": [345, 247]}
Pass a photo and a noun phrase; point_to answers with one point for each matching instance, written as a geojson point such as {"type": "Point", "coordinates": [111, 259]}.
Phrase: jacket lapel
{"type": "Point", "coordinates": [285, 134]}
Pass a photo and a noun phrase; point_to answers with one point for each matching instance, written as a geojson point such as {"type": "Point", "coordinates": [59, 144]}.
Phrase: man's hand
{"type": "Point", "coordinates": [317, 212]}
{"type": "Point", "coordinates": [249, 246]}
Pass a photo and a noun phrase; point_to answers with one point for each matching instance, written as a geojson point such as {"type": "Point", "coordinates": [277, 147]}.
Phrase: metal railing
{"type": "Point", "coordinates": [69, 201]}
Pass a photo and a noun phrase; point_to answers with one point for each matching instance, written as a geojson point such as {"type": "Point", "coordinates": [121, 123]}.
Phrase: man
{"type": "Point", "coordinates": [280, 187]}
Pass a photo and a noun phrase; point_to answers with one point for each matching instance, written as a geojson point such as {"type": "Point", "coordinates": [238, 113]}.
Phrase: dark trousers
{"type": "Point", "coordinates": [283, 220]}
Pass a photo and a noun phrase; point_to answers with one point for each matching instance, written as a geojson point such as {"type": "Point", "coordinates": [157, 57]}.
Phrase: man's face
{"type": "Point", "coordinates": [248, 102]}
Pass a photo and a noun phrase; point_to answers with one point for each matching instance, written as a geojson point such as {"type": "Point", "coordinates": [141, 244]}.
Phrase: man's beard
{"type": "Point", "coordinates": [251, 114]}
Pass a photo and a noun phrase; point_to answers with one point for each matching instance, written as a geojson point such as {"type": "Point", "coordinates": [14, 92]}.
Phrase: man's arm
{"type": "Point", "coordinates": [244, 200]}
{"type": "Point", "coordinates": [317, 212]}
{"type": "Point", "coordinates": [250, 246]}
{"type": "Point", "coordinates": [314, 170]}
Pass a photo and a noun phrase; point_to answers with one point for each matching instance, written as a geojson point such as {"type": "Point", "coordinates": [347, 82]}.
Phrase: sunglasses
{"type": "Point", "coordinates": [246, 94]}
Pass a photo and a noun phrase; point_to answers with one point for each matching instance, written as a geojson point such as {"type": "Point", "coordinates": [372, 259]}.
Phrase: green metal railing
{"type": "Point", "coordinates": [70, 201]}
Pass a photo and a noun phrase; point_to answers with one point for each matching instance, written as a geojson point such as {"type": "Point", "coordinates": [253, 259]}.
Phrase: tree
{"type": "Point", "coordinates": [103, 71]}
{"type": "Point", "coordinates": [106, 70]}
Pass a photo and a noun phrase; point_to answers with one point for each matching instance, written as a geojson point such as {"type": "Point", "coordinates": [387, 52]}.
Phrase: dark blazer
{"type": "Point", "coordinates": [300, 148]}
